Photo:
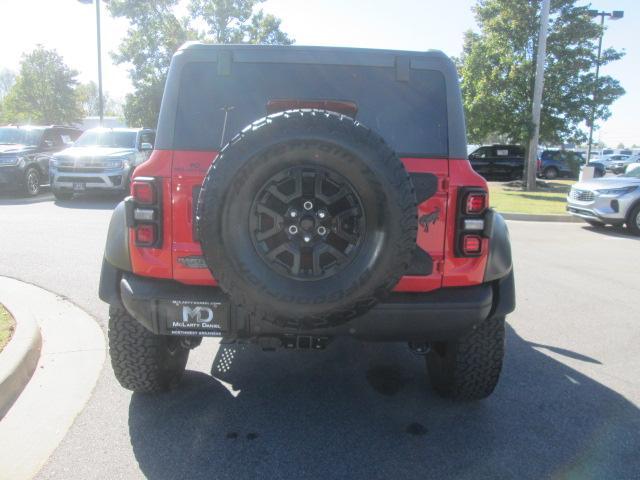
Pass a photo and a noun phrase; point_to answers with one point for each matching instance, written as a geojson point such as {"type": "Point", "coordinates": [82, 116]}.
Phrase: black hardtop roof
{"type": "Point", "coordinates": [430, 59]}
{"type": "Point", "coordinates": [402, 61]}
{"type": "Point", "coordinates": [213, 48]}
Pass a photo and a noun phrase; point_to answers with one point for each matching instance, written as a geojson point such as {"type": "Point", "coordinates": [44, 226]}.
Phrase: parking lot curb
{"type": "Point", "coordinates": [19, 358]}
{"type": "Point", "coordinates": [541, 218]}
{"type": "Point", "coordinates": [70, 360]}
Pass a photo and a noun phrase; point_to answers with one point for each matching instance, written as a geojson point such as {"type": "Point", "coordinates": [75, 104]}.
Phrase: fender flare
{"type": "Point", "coordinates": [499, 269]}
{"type": "Point", "coordinates": [499, 262]}
{"type": "Point", "coordinates": [116, 257]}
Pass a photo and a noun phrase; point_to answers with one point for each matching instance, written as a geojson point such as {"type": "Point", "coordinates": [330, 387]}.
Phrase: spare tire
{"type": "Point", "coordinates": [307, 218]}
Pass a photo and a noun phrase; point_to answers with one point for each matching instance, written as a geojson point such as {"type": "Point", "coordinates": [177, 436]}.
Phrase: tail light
{"type": "Point", "coordinates": [475, 203]}
{"type": "Point", "coordinates": [143, 192]}
{"type": "Point", "coordinates": [144, 212]}
{"type": "Point", "coordinates": [471, 244]}
{"type": "Point", "coordinates": [472, 206]}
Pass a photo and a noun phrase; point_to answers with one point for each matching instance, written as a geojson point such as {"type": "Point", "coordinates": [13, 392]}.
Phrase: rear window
{"type": "Point", "coordinates": [411, 116]}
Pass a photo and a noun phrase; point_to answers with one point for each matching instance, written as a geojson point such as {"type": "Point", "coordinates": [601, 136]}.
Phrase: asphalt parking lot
{"type": "Point", "coordinates": [566, 406]}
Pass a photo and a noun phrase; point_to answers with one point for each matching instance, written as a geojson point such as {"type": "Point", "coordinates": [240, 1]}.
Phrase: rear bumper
{"type": "Point", "coordinates": [439, 315]}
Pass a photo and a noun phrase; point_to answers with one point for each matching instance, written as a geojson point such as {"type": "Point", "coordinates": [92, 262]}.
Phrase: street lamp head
{"type": "Point", "coordinates": [592, 13]}
{"type": "Point", "coordinates": [617, 14]}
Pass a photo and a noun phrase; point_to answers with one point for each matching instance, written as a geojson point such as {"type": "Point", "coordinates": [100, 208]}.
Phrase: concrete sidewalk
{"type": "Point", "coordinates": [72, 355]}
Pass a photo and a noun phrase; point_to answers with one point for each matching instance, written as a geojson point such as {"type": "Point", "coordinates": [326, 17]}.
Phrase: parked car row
{"type": "Point", "coordinates": [69, 160]}
{"type": "Point", "coordinates": [507, 162]}
{"type": "Point", "coordinates": [25, 153]}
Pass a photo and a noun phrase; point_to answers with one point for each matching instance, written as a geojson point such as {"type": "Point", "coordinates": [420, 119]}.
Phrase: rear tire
{"type": "Point", "coordinates": [468, 368]}
{"type": "Point", "coordinates": [62, 194]}
{"type": "Point", "coordinates": [633, 222]}
{"type": "Point", "coordinates": [142, 361]}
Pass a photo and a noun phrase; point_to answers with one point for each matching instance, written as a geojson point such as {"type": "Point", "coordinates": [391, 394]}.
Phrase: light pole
{"type": "Point", "coordinates": [100, 101]}
{"type": "Point", "coordinates": [537, 97]}
{"type": "Point", "coordinates": [615, 15]}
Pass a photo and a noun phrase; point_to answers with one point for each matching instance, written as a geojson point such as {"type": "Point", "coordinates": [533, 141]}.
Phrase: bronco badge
{"type": "Point", "coordinates": [429, 218]}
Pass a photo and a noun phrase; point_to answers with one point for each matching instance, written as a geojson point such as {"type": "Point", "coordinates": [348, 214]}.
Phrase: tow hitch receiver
{"type": "Point", "coordinates": [304, 342]}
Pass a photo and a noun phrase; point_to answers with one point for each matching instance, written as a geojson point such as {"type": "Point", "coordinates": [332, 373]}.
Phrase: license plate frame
{"type": "Point", "coordinates": [198, 318]}
{"type": "Point", "coordinates": [79, 186]}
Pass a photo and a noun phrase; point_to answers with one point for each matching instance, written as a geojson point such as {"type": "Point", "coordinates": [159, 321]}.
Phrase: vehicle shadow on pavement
{"type": "Point", "coordinates": [365, 411]}
{"type": "Point", "coordinates": [94, 202]}
{"type": "Point", "coordinates": [612, 231]}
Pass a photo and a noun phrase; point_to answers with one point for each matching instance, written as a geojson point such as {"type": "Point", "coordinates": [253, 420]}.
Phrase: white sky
{"type": "Point", "coordinates": [69, 27]}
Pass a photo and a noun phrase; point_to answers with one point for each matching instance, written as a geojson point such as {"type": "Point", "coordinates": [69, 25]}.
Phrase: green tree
{"type": "Point", "coordinates": [89, 99]}
{"type": "Point", "coordinates": [45, 91]}
{"type": "Point", "coordinates": [497, 68]}
{"type": "Point", "coordinates": [157, 30]}
{"type": "Point", "coordinates": [7, 79]}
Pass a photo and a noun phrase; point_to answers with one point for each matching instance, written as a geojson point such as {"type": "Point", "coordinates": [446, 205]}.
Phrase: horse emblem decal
{"type": "Point", "coordinates": [429, 219]}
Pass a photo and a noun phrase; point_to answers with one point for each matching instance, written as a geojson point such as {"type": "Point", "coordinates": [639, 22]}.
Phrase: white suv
{"type": "Point", "coordinates": [608, 200]}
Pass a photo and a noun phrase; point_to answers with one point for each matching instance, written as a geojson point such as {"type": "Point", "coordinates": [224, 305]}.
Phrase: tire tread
{"type": "Point", "coordinates": [139, 357]}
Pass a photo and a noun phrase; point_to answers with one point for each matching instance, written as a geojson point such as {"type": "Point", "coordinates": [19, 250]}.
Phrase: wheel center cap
{"type": "Point", "coordinates": [307, 223]}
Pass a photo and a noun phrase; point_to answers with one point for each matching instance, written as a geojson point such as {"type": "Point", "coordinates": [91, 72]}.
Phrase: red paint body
{"type": "Point", "coordinates": [183, 171]}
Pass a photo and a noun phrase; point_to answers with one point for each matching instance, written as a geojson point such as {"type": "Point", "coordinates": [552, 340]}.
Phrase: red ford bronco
{"type": "Point", "coordinates": [297, 194]}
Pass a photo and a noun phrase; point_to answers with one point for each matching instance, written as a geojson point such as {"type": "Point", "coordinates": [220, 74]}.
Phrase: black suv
{"type": "Point", "coordinates": [503, 161]}
{"type": "Point", "coordinates": [25, 152]}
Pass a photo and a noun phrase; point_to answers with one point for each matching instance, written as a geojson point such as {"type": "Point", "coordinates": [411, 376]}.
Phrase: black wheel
{"type": "Point", "coordinates": [595, 223]}
{"type": "Point", "coordinates": [468, 368]}
{"type": "Point", "coordinates": [62, 194]}
{"type": "Point", "coordinates": [551, 173]}
{"type": "Point", "coordinates": [144, 362]}
{"type": "Point", "coordinates": [633, 220]}
{"type": "Point", "coordinates": [307, 217]}
{"type": "Point", "coordinates": [31, 182]}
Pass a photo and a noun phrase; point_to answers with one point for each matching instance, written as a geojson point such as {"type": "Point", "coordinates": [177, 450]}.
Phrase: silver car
{"type": "Point", "coordinates": [102, 159]}
{"type": "Point", "coordinates": [615, 163]}
{"type": "Point", "coordinates": [608, 200]}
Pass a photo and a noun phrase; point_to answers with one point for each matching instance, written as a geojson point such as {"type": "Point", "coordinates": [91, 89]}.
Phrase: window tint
{"type": "Point", "coordinates": [24, 136]}
{"type": "Point", "coordinates": [73, 134]}
{"type": "Point", "coordinates": [54, 137]}
{"type": "Point", "coordinates": [68, 136]}
{"type": "Point", "coordinates": [481, 152]}
{"type": "Point", "coordinates": [147, 137]}
{"type": "Point", "coordinates": [411, 116]}
{"type": "Point", "coordinates": [107, 138]}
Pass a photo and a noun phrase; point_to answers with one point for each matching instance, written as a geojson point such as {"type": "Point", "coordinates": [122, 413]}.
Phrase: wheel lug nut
{"type": "Point", "coordinates": [307, 205]}
{"type": "Point", "coordinates": [307, 238]}
{"type": "Point", "coordinates": [293, 214]}
{"type": "Point", "coordinates": [321, 230]}
{"type": "Point", "coordinates": [322, 214]}
{"type": "Point", "coordinates": [293, 229]}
